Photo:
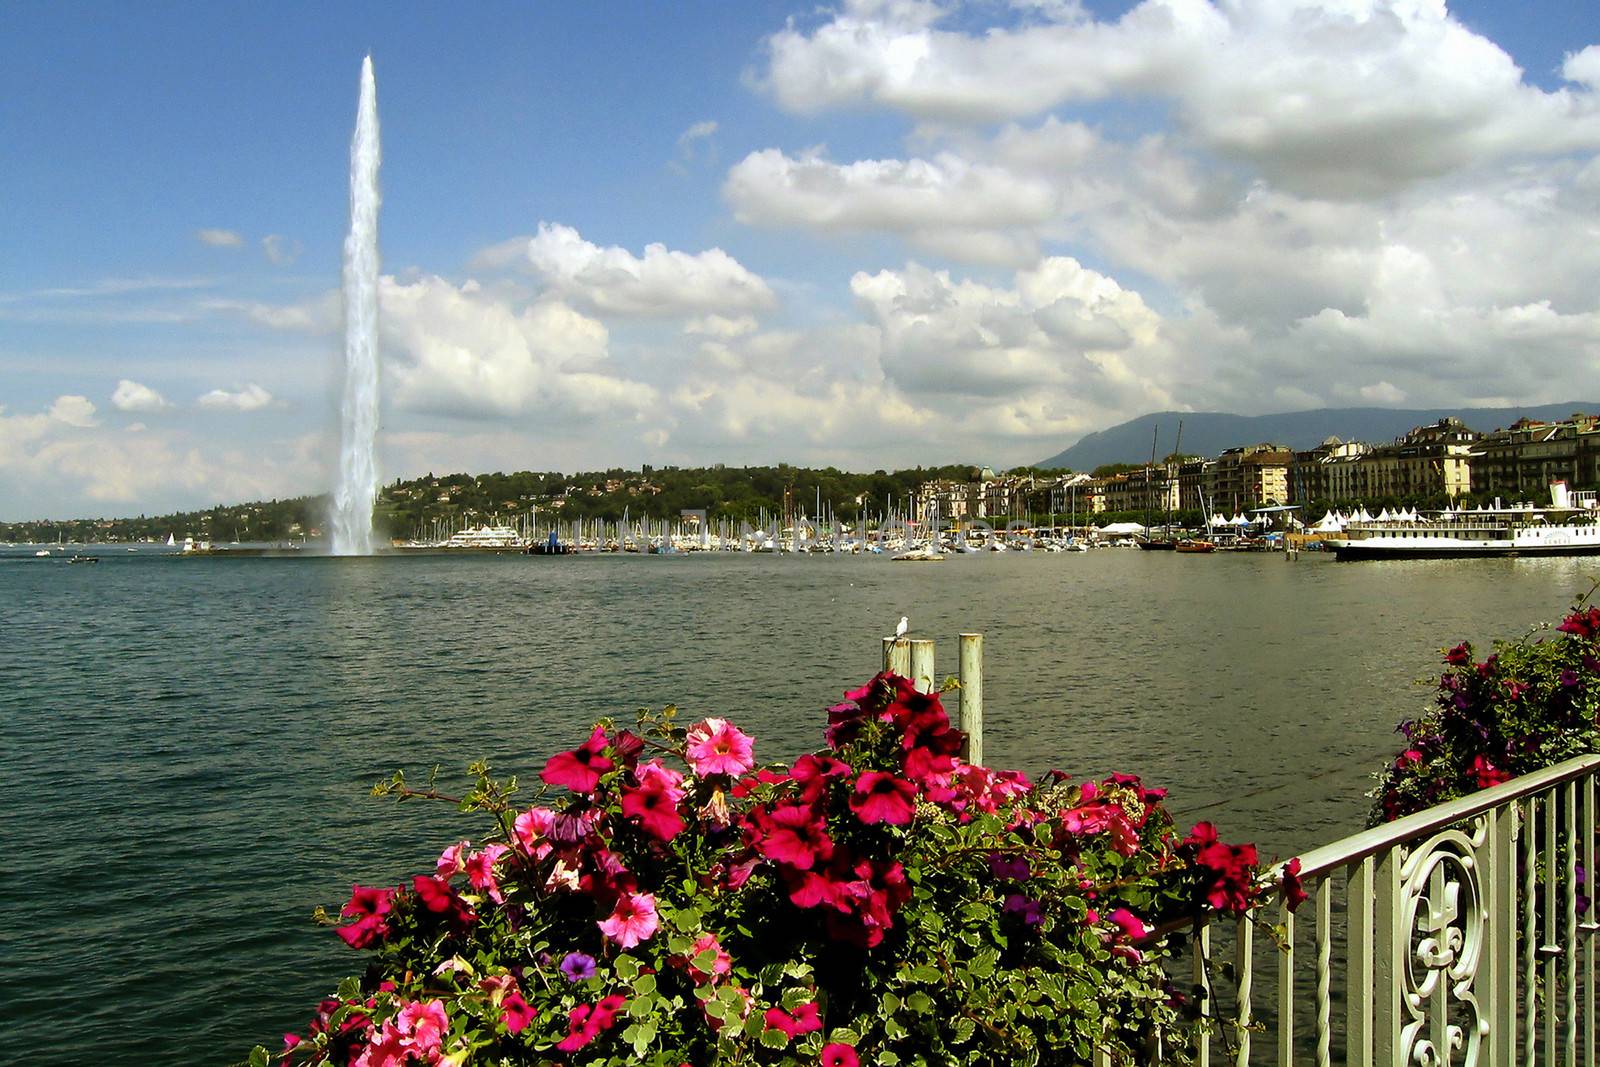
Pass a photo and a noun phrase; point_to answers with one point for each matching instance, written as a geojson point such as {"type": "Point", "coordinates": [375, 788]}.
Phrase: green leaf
{"type": "Point", "coordinates": [259, 1057]}
{"type": "Point", "coordinates": [645, 984]}
{"type": "Point", "coordinates": [774, 1039]}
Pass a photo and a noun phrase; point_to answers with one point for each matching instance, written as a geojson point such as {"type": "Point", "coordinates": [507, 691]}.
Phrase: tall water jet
{"type": "Point", "coordinates": [358, 471]}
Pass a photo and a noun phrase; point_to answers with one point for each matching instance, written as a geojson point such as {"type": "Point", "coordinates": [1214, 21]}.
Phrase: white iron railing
{"type": "Point", "coordinates": [1453, 936]}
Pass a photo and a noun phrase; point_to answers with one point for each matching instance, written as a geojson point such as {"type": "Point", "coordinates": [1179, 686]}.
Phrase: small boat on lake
{"type": "Point", "coordinates": [1194, 544]}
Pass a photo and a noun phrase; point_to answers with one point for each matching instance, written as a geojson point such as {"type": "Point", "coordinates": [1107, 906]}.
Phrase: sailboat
{"type": "Point", "coordinates": [1148, 543]}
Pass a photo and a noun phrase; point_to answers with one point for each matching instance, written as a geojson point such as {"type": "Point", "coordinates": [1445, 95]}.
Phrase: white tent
{"type": "Point", "coordinates": [1384, 516]}
{"type": "Point", "coordinates": [1362, 515]}
{"type": "Point", "coordinates": [1238, 520]}
{"type": "Point", "coordinates": [1122, 529]}
{"type": "Point", "coordinates": [1329, 523]}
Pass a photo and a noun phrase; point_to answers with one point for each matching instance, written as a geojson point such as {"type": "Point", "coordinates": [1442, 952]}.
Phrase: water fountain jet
{"type": "Point", "coordinates": [357, 488]}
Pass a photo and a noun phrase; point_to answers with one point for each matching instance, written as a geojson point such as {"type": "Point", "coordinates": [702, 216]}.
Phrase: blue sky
{"type": "Point", "coordinates": [890, 231]}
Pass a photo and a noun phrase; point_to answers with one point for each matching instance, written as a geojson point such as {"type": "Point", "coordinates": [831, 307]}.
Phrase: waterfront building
{"type": "Point", "coordinates": [1194, 478]}
{"type": "Point", "coordinates": [1429, 461]}
{"type": "Point", "coordinates": [1148, 490]}
{"type": "Point", "coordinates": [1250, 476]}
{"type": "Point", "coordinates": [1522, 460]}
{"type": "Point", "coordinates": [1313, 473]}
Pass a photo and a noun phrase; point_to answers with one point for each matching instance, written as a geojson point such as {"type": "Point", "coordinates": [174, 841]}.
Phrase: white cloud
{"type": "Point", "coordinates": [1350, 99]}
{"type": "Point", "coordinates": [943, 203]}
{"type": "Point", "coordinates": [73, 410]}
{"type": "Point", "coordinates": [1583, 67]}
{"type": "Point", "coordinates": [1383, 393]}
{"type": "Point", "coordinates": [134, 396]}
{"type": "Point", "coordinates": [722, 326]}
{"type": "Point", "coordinates": [463, 351]}
{"type": "Point", "coordinates": [251, 397]}
{"type": "Point", "coordinates": [280, 250]}
{"type": "Point", "coordinates": [219, 238]}
{"type": "Point", "coordinates": [661, 282]}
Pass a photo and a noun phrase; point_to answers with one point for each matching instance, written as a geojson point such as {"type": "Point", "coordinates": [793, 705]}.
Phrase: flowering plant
{"type": "Point", "coordinates": [665, 900]}
{"type": "Point", "coordinates": [1530, 704]}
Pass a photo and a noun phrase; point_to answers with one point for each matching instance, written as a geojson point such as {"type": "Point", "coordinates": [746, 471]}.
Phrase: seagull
{"type": "Point", "coordinates": [905, 625]}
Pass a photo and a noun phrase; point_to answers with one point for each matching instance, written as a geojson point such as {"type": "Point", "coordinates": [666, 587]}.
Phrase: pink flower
{"type": "Point", "coordinates": [1459, 655]}
{"type": "Point", "coordinates": [423, 1024]}
{"type": "Point", "coordinates": [839, 1055]}
{"type": "Point", "coordinates": [450, 861]}
{"type": "Point", "coordinates": [532, 827]}
{"type": "Point", "coordinates": [1131, 926]}
{"type": "Point", "coordinates": [580, 769]}
{"type": "Point", "coordinates": [718, 747]}
{"type": "Point", "coordinates": [804, 1020]}
{"type": "Point", "coordinates": [792, 834]}
{"type": "Point", "coordinates": [883, 798]}
{"type": "Point", "coordinates": [654, 801]}
{"type": "Point", "coordinates": [516, 1013]}
{"type": "Point", "coordinates": [480, 871]}
{"type": "Point", "coordinates": [632, 920]}
{"type": "Point", "coordinates": [368, 905]}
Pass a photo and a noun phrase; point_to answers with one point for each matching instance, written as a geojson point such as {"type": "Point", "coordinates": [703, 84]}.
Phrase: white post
{"type": "Point", "coordinates": [969, 714]}
{"type": "Point", "coordinates": [922, 665]}
{"type": "Point", "coordinates": [897, 656]}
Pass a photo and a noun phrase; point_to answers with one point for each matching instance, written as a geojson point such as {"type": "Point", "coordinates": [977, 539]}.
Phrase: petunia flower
{"type": "Point", "coordinates": [577, 966]}
{"type": "Point", "coordinates": [516, 1013]}
{"type": "Point", "coordinates": [838, 1054]}
{"type": "Point", "coordinates": [716, 746]}
{"type": "Point", "coordinates": [633, 919]}
{"type": "Point", "coordinates": [580, 769]}
{"type": "Point", "coordinates": [883, 798]}
{"type": "Point", "coordinates": [794, 834]}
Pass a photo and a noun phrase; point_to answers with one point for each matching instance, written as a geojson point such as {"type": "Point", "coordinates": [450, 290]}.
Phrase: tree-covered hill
{"type": "Point", "coordinates": [417, 506]}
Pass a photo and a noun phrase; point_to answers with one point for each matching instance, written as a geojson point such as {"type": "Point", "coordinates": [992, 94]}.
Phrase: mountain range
{"type": "Point", "coordinates": [1208, 433]}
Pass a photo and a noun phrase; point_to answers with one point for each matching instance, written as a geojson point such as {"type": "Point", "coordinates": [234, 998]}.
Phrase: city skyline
{"type": "Point", "coordinates": [868, 236]}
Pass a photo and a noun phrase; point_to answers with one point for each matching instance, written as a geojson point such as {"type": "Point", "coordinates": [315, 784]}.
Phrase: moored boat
{"type": "Point", "coordinates": [1568, 527]}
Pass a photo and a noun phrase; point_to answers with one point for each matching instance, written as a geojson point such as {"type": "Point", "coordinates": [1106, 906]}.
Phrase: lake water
{"type": "Point", "coordinates": [187, 744]}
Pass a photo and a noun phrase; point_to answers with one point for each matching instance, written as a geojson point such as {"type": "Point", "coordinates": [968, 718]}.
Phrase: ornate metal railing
{"type": "Point", "coordinates": [1459, 935]}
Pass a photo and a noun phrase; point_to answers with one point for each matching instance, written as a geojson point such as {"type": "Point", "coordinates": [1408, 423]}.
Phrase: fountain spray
{"type": "Point", "coordinates": [357, 489]}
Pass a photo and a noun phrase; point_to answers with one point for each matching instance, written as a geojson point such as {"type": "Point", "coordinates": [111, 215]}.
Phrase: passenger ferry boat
{"type": "Point", "coordinates": [1568, 527]}
{"type": "Point", "coordinates": [493, 538]}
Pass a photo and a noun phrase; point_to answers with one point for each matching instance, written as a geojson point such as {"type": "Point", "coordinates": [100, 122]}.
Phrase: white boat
{"type": "Point", "coordinates": [484, 537]}
{"type": "Point", "coordinates": [42, 552]}
{"type": "Point", "coordinates": [1568, 527]}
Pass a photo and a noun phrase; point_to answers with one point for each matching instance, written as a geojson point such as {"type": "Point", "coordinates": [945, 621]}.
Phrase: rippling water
{"type": "Point", "coordinates": [187, 743]}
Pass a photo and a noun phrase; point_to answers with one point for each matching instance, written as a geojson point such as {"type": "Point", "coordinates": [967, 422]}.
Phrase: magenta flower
{"type": "Point", "coordinates": [577, 966]}
{"type": "Point", "coordinates": [449, 864]}
{"type": "Point", "coordinates": [580, 769]}
{"type": "Point", "coordinates": [805, 1020]}
{"type": "Point", "coordinates": [1024, 908]}
{"type": "Point", "coordinates": [721, 962]}
{"type": "Point", "coordinates": [653, 803]}
{"type": "Point", "coordinates": [516, 1013]}
{"type": "Point", "coordinates": [839, 1055]}
{"type": "Point", "coordinates": [368, 905]}
{"type": "Point", "coordinates": [718, 747]}
{"type": "Point", "coordinates": [792, 834]}
{"type": "Point", "coordinates": [632, 920]}
{"type": "Point", "coordinates": [883, 798]}
{"type": "Point", "coordinates": [1130, 925]}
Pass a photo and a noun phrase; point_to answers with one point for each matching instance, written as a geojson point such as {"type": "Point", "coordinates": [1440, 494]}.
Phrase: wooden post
{"type": "Point", "coordinates": [897, 656]}
{"type": "Point", "coordinates": [969, 715]}
{"type": "Point", "coordinates": [922, 665]}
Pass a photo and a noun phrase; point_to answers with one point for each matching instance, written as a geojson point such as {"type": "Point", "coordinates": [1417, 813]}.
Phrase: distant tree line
{"type": "Point", "coordinates": [407, 507]}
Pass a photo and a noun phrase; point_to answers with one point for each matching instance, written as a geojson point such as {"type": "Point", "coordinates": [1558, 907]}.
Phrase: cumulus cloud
{"type": "Point", "coordinates": [1352, 99]}
{"type": "Point", "coordinates": [943, 203]}
{"type": "Point", "coordinates": [134, 396]}
{"type": "Point", "coordinates": [73, 411]}
{"type": "Point", "coordinates": [459, 350]}
{"type": "Point", "coordinates": [251, 397]}
{"type": "Point", "coordinates": [219, 238]}
{"type": "Point", "coordinates": [613, 280]}
{"type": "Point", "coordinates": [280, 250]}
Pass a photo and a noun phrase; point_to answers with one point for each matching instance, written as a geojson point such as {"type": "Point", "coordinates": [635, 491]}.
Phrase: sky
{"type": "Point", "coordinates": [870, 234]}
